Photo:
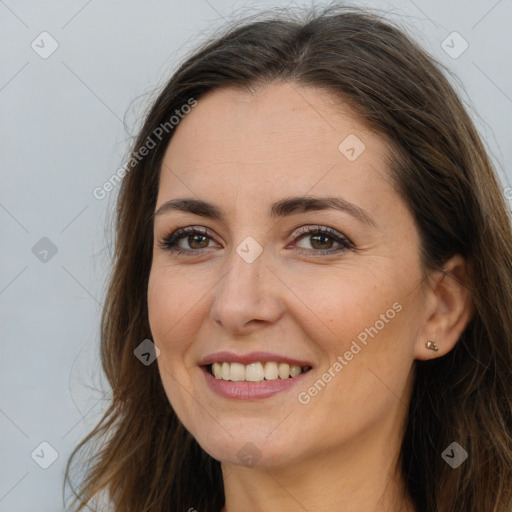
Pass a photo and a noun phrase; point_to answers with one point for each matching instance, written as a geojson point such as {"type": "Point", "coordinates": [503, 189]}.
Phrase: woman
{"type": "Point", "coordinates": [310, 305]}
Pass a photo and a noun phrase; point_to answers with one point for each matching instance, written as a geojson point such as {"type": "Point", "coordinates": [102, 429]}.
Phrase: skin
{"type": "Point", "coordinates": [243, 152]}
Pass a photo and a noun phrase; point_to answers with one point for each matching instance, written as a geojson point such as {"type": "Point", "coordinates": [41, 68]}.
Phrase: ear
{"type": "Point", "coordinates": [448, 309]}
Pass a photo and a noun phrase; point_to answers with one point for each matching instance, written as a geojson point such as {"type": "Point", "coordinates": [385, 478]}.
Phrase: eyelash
{"type": "Point", "coordinates": [169, 242]}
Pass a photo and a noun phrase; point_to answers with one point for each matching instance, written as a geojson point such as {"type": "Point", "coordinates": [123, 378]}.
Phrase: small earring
{"type": "Point", "coordinates": [431, 345]}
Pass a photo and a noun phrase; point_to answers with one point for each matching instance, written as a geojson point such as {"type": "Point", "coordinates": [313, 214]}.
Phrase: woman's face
{"type": "Point", "coordinates": [265, 294]}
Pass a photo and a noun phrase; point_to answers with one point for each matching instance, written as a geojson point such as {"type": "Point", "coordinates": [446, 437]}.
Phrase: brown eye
{"type": "Point", "coordinates": [322, 240]}
{"type": "Point", "coordinates": [196, 240]}
{"type": "Point", "coordinates": [191, 240]}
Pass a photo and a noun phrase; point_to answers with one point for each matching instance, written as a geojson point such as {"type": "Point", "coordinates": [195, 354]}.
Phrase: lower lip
{"type": "Point", "coordinates": [250, 390]}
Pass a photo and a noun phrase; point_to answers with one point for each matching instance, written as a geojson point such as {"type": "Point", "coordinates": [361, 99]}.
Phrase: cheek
{"type": "Point", "coordinates": [161, 316]}
{"type": "Point", "coordinates": [172, 300]}
{"type": "Point", "coordinates": [338, 304]}
{"type": "Point", "coordinates": [365, 328]}
{"type": "Point", "coordinates": [173, 303]}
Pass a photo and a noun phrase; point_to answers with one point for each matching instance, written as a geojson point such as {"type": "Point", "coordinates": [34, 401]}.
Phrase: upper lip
{"type": "Point", "coordinates": [251, 357]}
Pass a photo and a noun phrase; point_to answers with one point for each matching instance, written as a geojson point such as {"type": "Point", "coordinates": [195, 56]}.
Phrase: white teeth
{"type": "Point", "coordinates": [284, 370]}
{"type": "Point", "coordinates": [295, 370]}
{"type": "Point", "coordinates": [217, 370]}
{"type": "Point", "coordinates": [271, 371]}
{"type": "Point", "coordinates": [226, 371]}
{"type": "Point", "coordinates": [237, 372]}
{"type": "Point", "coordinates": [255, 372]}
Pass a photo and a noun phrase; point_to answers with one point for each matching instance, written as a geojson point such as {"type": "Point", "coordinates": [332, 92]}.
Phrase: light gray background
{"type": "Point", "coordinates": [62, 135]}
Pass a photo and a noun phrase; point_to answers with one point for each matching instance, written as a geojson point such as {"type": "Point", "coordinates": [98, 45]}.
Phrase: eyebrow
{"type": "Point", "coordinates": [282, 208]}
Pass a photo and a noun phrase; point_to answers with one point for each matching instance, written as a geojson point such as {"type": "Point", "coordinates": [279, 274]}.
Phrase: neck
{"type": "Point", "coordinates": [362, 476]}
{"type": "Point", "coordinates": [299, 489]}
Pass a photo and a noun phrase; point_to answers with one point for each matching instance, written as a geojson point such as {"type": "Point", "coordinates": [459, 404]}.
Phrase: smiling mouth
{"type": "Point", "coordinates": [255, 372]}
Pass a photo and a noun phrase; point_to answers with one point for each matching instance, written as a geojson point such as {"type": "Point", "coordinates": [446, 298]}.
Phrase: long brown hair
{"type": "Point", "coordinates": [144, 459]}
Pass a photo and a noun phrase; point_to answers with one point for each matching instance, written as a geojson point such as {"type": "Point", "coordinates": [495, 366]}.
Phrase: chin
{"type": "Point", "coordinates": [252, 450]}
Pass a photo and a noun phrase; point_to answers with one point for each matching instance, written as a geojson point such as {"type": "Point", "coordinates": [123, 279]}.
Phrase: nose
{"type": "Point", "coordinates": [247, 296]}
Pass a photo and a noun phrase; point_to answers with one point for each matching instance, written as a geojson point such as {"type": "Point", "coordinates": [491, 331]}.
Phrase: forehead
{"type": "Point", "coordinates": [283, 139]}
